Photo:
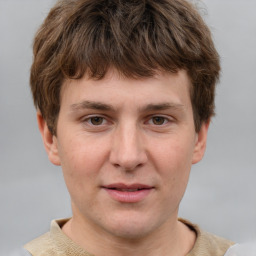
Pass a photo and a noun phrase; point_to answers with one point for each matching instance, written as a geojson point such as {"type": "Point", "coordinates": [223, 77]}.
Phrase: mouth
{"type": "Point", "coordinates": [128, 193]}
{"type": "Point", "coordinates": [127, 189]}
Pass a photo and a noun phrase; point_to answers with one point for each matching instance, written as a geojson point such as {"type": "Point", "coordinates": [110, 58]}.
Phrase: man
{"type": "Point", "coordinates": [124, 91]}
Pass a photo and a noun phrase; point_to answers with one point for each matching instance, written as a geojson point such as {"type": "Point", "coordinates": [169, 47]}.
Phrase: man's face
{"type": "Point", "coordinates": [126, 147]}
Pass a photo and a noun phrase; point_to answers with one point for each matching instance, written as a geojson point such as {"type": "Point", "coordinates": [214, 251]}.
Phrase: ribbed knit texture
{"type": "Point", "coordinates": [56, 243]}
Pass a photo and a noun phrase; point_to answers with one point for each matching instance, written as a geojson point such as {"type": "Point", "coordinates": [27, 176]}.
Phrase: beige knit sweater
{"type": "Point", "coordinates": [56, 243]}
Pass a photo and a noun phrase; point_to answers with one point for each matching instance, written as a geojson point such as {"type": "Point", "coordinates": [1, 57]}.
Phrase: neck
{"type": "Point", "coordinates": [172, 239]}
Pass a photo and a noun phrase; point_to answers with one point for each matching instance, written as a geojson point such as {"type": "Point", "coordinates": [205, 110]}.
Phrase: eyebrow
{"type": "Point", "coordinates": [107, 107]}
{"type": "Point", "coordinates": [91, 105]}
{"type": "Point", "coordinates": [163, 106]}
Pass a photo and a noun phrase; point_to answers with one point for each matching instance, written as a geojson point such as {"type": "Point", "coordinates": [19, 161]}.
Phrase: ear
{"type": "Point", "coordinates": [200, 144]}
{"type": "Point", "coordinates": [50, 141]}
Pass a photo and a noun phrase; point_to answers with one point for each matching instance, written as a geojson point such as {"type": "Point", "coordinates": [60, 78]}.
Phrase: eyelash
{"type": "Point", "coordinates": [89, 120]}
{"type": "Point", "coordinates": [163, 118]}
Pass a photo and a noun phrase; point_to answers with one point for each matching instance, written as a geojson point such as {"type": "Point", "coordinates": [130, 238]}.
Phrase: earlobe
{"type": "Point", "coordinates": [200, 145]}
{"type": "Point", "coordinates": [49, 140]}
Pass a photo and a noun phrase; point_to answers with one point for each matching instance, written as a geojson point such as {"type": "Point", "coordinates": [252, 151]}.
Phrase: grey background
{"type": "Point", "coordinates": [221, 195]}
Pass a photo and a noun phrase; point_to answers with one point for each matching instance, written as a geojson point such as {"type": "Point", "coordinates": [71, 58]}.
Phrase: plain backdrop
{"type": "Point", "coordinates": [221, 195]}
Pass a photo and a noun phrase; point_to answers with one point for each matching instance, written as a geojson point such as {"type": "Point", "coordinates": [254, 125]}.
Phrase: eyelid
{"type": "Point", "coordinates": [86, 119]}
{"type": "Point", "coordinates": [167, 118]}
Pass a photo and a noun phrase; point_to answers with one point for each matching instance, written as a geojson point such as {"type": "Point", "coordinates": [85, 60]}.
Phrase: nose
{"type": "Point", "coordinates": [128, 150]}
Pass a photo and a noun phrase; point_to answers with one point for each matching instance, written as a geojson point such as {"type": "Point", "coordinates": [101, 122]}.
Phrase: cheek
{"type": "Point", "coordinates": [174, 156]}
{"type": "Point", "coordinates": [173, 160]}
{"type": "Point", "coordinates": [176, 171]}
{"type": "Point", "coordinates": [81, 163]}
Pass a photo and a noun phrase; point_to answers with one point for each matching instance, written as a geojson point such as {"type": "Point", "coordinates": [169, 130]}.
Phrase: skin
{"type": "Point", "coordinates": [128, 131]}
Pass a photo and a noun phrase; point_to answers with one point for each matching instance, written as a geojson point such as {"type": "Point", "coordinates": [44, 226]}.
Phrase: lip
{"type": "Point", "coordinates": [124, 193]}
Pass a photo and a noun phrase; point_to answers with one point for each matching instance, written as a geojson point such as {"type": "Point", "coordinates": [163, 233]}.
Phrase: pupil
{"type": "Point", "coordinates": [97, 120]}
{"type": "Point", "coordinates": [158, 120]}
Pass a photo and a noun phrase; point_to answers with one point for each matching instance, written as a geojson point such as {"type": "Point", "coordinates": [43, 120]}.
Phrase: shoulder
{"type": "Point", "coordinates": [210, 244]}
{"type": "Point", "coordinates": [54, 242]}
{"type": "Point", "coordinates": [47, 244]}
{"type": "Point", "coordinates": [40, 246]}
{"type": "Point", "coordinates": [19, 252]}
{"type": "Point", "coordinates": [207, 243]}
{"type": "Point", "coordinates": [245, 249]}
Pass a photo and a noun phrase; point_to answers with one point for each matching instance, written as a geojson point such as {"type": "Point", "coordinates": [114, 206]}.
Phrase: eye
{"type": "Point", "coordinates": [96, 123]}
{"type": "Point", "coordinates": [96, 120]}
{"type": "Point", "coordinates": [159, 120]}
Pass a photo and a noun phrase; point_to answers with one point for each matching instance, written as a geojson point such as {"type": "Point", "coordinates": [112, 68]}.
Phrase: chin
{"type": "Point", "coordinates": [130, 227]}
{"type": "Point", "coordinates": [130, 232]}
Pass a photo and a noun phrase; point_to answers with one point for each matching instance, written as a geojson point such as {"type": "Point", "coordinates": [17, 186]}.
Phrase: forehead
{"type": "Point", "coordinates": [117, 89]}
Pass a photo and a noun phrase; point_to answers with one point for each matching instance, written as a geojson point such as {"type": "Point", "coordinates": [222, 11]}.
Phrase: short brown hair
{"type": "Point", "coordinates": [136, 37]}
